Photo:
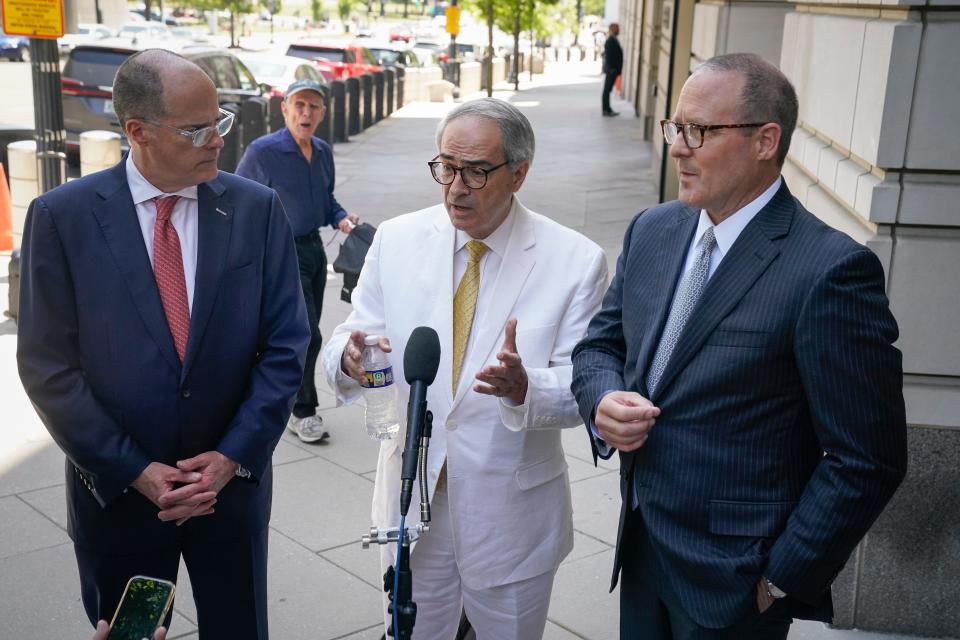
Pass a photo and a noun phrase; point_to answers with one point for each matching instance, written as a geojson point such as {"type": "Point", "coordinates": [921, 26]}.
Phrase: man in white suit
{"type": "Point", "coordinates": [501, 517]}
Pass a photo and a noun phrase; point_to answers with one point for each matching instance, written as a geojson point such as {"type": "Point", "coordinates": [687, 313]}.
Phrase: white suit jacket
{"type": "Point", "coordinates": [507, 484]}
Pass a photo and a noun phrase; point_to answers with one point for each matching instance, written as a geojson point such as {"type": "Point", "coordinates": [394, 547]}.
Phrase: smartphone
{"type": "Point", "coordinates": [142, 608]}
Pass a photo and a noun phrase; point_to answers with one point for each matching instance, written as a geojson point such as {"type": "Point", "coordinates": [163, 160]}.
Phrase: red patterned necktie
{"type": "Point", "coordinates": [168, 270]}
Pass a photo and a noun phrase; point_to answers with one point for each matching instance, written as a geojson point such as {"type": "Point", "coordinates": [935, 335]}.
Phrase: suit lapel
{"type": "Point", "coordinates": [746, 261]}
{"type": "Point", "coordinates": [215, 221]}
{"type": "Point", "coordinates": [671, 254]}
{"type": "Point", "coordinates": [118, 221]}
{"type": "Point", "coordinates": [515, 267]}
{"type": "Point", "coordinates": [437, 282]}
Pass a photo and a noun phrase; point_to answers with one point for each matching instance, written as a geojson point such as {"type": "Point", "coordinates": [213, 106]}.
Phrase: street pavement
{"type": "Point", "coordinates": [590, 173]}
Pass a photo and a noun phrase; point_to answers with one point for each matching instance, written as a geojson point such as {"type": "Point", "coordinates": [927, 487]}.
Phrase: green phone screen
{"type": "Point", "coordinates": [142, 609]}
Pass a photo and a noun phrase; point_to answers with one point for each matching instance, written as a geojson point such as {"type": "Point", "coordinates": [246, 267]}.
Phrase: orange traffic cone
{"type": "Point", "coordinates": [6, 214]}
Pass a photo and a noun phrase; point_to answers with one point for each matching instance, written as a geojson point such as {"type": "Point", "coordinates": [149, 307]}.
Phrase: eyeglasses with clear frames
{"type": "Point", "coordinates": [693, 133]}
{"type": "Point", "coordinates": [200, 137]}
{"type": "Point", "coordinates": [473, 177]}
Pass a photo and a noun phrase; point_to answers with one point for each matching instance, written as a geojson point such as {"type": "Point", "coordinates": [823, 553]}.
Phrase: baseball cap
{"type": "Point", "coordinates": [304, 85]}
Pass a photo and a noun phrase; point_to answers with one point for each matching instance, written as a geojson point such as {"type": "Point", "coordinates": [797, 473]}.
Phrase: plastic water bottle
{"type": "Point", "coordinates": [379, 392]}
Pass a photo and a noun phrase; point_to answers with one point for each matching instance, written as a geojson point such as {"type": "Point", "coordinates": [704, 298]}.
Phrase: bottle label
{"type": "Point", "coordinates": [378, 378]}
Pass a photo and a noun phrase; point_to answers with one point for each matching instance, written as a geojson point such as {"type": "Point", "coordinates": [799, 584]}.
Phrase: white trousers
{"type": "Point", "coordinates": [515, 611]}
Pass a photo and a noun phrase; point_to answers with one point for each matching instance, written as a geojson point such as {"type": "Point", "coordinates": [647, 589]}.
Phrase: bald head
{"type": "Point", "coordinates": [614, 29]}
{"type": "Point", "coordinates": [144, 83]}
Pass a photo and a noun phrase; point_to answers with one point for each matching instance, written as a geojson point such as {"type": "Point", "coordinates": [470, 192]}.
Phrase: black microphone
{"type": "Point", "coordinates": [421, 359]}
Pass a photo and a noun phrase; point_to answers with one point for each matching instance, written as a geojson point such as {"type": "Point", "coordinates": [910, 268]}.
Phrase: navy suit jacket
{"type": "Point", "coordinates": [782, 429]}
{"type": "Point", "coordinates": [97, 359]}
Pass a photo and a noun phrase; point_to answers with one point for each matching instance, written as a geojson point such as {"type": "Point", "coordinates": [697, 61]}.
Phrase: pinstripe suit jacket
{"type": "Point", "coordinates": [782, 430]}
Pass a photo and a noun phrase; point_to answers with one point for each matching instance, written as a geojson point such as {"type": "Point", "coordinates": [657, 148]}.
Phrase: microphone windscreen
{"type": "Point", "coordinates": [421, 359]}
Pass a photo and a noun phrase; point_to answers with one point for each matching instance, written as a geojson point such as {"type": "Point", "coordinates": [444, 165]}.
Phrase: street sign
{"type": "Point", "coordinates": [453, 20]}
{"type": "Point", "coordinates": [33, 18]}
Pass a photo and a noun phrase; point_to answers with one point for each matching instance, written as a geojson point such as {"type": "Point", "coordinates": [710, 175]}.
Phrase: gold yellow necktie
{"type": "Point", "coordinates": [465, 305]}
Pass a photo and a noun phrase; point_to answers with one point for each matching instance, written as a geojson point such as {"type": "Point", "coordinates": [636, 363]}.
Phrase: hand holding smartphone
{"type": "Point", "coordinates": [142, 608]}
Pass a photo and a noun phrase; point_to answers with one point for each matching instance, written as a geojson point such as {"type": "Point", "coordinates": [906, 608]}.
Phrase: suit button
{"type": "Point", "coordinates": [185, 393]}
{"type": "Point", "coordinates": [451, 425]}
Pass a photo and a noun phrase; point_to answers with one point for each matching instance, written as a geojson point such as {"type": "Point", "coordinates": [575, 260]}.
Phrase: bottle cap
{"type": "Point", "coordinates": [371, 340]}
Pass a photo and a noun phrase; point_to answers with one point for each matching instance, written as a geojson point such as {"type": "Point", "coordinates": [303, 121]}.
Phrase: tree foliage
{"type": "Point", "coordinates": [540, 15]}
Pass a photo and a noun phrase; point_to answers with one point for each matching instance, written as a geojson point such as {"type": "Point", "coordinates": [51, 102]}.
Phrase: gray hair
{"type": "Point", "coordinates": [516, 134]}
{"type": "Point", "coordinates": [767, 94]}
{"type": "Point", "coordinates": [138, 85]}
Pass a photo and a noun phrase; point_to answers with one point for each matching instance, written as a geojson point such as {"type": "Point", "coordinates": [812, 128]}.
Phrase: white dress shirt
{"type": "Point", "coordinates": [184, 218]}
{"type": "Point", "coordinates": [726, 234]}
{"type": "Point", "coordinates": [489, 269]}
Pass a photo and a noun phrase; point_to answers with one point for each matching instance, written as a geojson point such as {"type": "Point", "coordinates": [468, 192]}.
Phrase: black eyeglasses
{"type": "Point", "coordinates": [200, 137]}
{"type": "Point", "coordinates": [694, 134]}
{"type": "Point", "coordinates": [473, 177]}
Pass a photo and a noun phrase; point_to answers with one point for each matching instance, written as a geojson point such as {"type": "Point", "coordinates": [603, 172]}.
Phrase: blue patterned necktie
{"type": "Point", "coordinates": [685, 300]}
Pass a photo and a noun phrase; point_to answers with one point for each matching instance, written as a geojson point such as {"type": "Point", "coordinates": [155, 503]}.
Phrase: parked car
{"type": "Point", "coordinates": [400, 33]}
{"type": "Point", "coordinates": [343, 61]}
{"type": "Point", "coordinates": [86, 33]}
{"type": "Point", "coordinates": [393, 56]}
{"type": "Point", "coordinates": [428, 51]}
{"type": "Point", "coordinates": [441, 52]}
{"type": "Point", "coordinates": [189, 34]}
{"type": "Point", "coordinates": [87, 84]}
{"type": "Point", "coordinates": [14, 48]}
{"type": "Point", "coordinates": [137, 31]}
{"type": "Point", "coordinates": [276, 73]}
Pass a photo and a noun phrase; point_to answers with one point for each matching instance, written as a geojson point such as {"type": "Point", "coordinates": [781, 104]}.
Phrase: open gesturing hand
{"type": "Point", "coordinates": [509, 378]}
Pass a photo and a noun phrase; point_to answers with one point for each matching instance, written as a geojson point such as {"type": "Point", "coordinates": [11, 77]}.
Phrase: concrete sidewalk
{"type": "Point", "coordinates": [590, 173]}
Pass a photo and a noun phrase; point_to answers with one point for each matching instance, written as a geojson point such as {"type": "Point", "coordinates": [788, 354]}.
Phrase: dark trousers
{"type": "Point", "coordinates": [228, 577]}
{"type": "Point", "coordinates": [608, 81]}
{"type": "Point", "coordinates": [649, 610]}
{"type": "Point", "coordinates": [313, 280]}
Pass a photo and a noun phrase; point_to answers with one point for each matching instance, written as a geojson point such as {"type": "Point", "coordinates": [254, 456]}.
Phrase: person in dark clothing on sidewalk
{"type": "Point", "coordinates": [299, 166]}
{"type": "Point", "coordinates": [612, 66]}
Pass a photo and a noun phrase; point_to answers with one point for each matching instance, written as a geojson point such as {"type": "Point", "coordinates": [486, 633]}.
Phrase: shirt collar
{"type": "Point", "coordinates": [496, 241]}
{"type": "Point", "coordinates": [730, 228]}
{"type": "Point", "coordinates": [142, 190]}
{"type": "Point", "coordinates": [289, 144]}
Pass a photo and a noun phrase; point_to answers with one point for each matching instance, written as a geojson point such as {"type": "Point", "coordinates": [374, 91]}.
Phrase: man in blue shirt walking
{"type": "Point", "coordinates": [299, 166]}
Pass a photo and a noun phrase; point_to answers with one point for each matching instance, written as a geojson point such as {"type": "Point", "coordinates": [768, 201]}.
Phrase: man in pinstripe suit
{"type": "Point", "coordinates": [742, 364]}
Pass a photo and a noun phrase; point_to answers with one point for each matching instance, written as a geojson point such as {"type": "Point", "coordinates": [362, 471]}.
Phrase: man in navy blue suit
{"type": "Point", "coordinates": [161, 340]}
{"type": "Point", "coordinates": [742, 364]}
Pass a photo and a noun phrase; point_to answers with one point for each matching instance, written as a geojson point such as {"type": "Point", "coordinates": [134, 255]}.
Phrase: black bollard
{"type": "Point", "coordinates": [378, 96]}
{"type": "Point", "coordinates": [353, 106]}
{"type": "Point", "coordinates": [325, 130]}
{"type": "Point", "coordinates": [366, 88]}
{"type": "Point", "coordinates": [253, 120]}
{"type": "Point", "coordinates": [400, 82]}
{"type": "Point", "coordinates": [389, 78]}
{"type": "Point", "coordinates": [230, 154]}
{"type": "Point", "coordinates": [338, 102]}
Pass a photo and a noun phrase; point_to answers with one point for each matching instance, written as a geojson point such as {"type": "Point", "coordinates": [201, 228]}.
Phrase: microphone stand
{"type": "Point", "coordinates": [401, 601]}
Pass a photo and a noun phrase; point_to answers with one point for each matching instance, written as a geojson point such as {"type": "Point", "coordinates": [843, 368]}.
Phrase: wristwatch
{"type": "Point", "coordinates": [774, 592]}
{"type": "Point", "coordinates": [242, 472]}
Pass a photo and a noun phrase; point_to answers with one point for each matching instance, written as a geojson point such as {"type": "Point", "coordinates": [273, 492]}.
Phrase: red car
{"type": "Point", "coordinates": [338, 60]}
{"type": "Point", "coordinates": [400, 33]}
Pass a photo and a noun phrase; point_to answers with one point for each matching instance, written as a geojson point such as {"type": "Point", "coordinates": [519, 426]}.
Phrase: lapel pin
{"type": "Point", "coordinates": [221, 211]}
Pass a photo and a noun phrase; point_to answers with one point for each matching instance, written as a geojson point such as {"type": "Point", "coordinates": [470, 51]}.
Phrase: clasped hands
{"type": "Point", "coordinates": [188, 490]}
{"type": "Point", "coordinates": [506, 380]}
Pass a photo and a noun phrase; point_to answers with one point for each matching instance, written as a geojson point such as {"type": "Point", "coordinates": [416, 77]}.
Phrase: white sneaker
{"type": "Point", "coordinates": [309, 429]}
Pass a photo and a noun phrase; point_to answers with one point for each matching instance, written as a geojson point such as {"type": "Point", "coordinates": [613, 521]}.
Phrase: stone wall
{"type": "Point", "coordinates": [876, 155]}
